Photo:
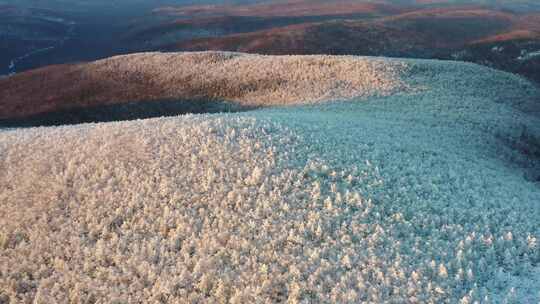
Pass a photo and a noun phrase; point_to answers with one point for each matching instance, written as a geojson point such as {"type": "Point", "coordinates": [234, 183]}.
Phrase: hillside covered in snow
{"type": "Point", "coordinates": [354, 179]}
{"type": "Point", "coordinates": [149, 80]}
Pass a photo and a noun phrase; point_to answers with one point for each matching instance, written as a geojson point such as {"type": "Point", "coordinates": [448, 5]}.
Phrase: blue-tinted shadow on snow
{"type": "Point", "coordinates": [124, 111]}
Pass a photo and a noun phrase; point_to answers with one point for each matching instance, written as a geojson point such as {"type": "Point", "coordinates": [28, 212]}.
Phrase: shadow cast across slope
{"type": "Point", "coordinates": [124, 111]}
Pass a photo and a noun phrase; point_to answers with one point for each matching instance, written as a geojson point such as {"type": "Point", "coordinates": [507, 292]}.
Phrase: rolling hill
{"type": "Point", "coordinates": [224, 176]}
{"type": "Point", "coordinates": [421, 184]}
{"type": "Point", "coordinates": [434, 30]}
{"type": "Point", "coordinates": [37, 34]}
{"type": "Point", "coordinates": [174, 24]}
{"type": "Point", "coordinates": [291, 8]}
{"type": "Point", "coordinates": [464, 32]}
{"type": "Point", "coordinates": [161, 77]}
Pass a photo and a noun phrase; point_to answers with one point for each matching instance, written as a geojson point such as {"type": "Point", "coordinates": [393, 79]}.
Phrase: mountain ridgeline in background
{"type": "Point", "coordinates": [500, 34]}
{"type": "Point", "coordinates": [503, 39]}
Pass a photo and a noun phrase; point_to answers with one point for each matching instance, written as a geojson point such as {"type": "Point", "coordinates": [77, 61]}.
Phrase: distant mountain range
{"type": "Point", "coordinates": [500, 33]}
{"type": "Point", "coordinates": [492, 36]}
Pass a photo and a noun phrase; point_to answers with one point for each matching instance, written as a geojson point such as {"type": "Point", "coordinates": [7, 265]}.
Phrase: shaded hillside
{"type": "Point", "coordinates": [243, 80]}
{"type": "Point", "coordinates": [332, 37]}
{"type": "Point", "coordinates": [164, 33]}
{"type": "Point", "coordinates": [452, 27]}
{"type": "Point", "coordinates": [291, 8]}
{"type": "Point", "coordinates": [427, 30]}
{"type": "Point", "coordinates": [171, 32]}
{"type": "Point", "coordinates": [174, 24]}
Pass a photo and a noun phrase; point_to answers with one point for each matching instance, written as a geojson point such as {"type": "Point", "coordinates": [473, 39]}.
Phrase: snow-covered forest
{"type": "Point", "coordinates": [426, 194]}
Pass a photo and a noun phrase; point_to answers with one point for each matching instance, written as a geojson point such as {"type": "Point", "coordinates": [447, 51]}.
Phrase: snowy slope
{"type": "Point", "coordinates": [243, 79]}
{"type": "Point", "coordinates": [424, 196]}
